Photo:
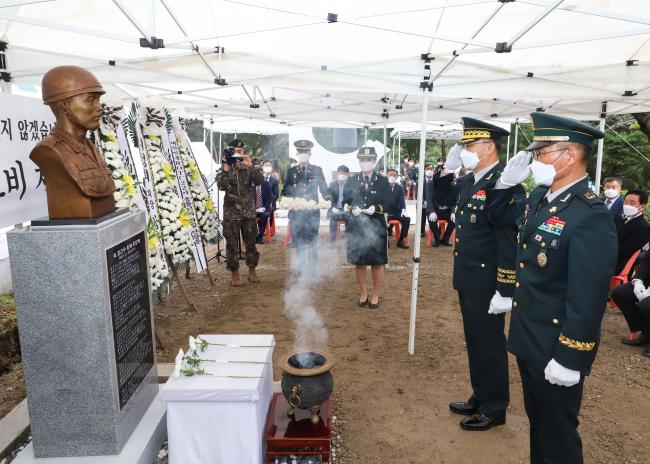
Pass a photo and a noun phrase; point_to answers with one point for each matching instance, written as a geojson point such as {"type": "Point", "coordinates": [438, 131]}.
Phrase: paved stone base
{"type": "Point", "coordinates": [142, 447]}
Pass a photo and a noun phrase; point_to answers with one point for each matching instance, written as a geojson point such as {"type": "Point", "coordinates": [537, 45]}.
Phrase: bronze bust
{"type": "Point", "coordinates": [78, 182]}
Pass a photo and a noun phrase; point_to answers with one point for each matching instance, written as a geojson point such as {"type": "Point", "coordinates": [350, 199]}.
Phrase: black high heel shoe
{"type": "Point", "coordinates": [363, 303]}
{"type": "Point", "coordinates": [373, 305]}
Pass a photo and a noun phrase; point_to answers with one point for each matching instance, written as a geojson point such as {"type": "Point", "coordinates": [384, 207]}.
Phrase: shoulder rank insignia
{"type": "Point", "coordinates": [590, 195]}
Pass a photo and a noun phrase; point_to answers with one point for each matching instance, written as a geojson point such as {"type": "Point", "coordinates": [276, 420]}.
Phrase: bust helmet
{"type": "Point", "coordinates": [67, 81]}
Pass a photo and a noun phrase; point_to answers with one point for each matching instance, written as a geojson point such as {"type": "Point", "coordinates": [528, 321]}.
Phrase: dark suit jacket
{"type": "Point", "coordinates": [444, 198]}
{"type": "Point", "coordinates": [334, 192]}
{"type": "Point", "coordinates": [617, 207]}
{"type": "Point", "coordinates": [643, 272]}
{"type": "Point", "coordinates": [275, 192]}
{"type": "Point", "coordinates": [397, 202]}
{"type": "Point", "coordinates": [428, 194]}
{"type": "Point", "coordinates": [632, 235]}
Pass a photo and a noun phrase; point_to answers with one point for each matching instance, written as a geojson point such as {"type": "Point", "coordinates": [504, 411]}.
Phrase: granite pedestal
{"type": "Point", "coordinates": [86, 332]}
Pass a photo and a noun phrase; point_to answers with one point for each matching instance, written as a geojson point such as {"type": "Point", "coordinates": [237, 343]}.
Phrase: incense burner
{"type": "Point", "coordinates": [307, 381]}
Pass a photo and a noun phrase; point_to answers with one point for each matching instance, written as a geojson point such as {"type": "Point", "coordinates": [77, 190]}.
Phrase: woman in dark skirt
{"type": "Point", "coordinates": [365, 194]}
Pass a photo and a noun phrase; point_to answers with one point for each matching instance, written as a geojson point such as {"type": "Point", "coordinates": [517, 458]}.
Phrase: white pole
{"type": "Point", "coordinates": [399, 149]}
{"type": "Point", "coordinates": [392, 155]}
{"type": "Point", "coordinates": [418, 220]}
{"type": "Point", "coordinates": [385, 147]}
{"type": "Point", "coordinates": [365, 134]}
{"type": "Point", "coordinates": [514, 148]}
{"type": "Point", "coordinates": [508, 150]}
{"type": "Point", "coordinates": [601, 146]}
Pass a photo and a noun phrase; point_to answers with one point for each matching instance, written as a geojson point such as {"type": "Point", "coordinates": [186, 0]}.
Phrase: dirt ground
{"type": "Point", "coordinates": [394, 406]}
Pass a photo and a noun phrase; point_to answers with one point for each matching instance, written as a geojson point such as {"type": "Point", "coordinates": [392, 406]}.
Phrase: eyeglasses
{"type": "Point", "coordinates": [537, 154]}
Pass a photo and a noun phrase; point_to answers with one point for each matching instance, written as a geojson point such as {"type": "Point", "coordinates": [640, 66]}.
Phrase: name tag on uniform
{"type": "Point", "coordinates": [479, 195]}
{"type": "Point", "coordinates": [553, 225]}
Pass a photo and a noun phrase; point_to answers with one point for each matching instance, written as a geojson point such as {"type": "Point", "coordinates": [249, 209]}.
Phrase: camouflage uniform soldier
{"type": "Point", "coordinates": [236, 177]}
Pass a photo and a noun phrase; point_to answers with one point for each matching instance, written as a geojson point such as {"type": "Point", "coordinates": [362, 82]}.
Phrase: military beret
{"type": "Point", "coordinates": [474, 130]}
{"type": "Point", "coordinates": [236, 143]}
{"type": "Point", "coordinates": [303, 144]}
{"type": "Point", "coordinates": [367, 153]}
{"type": "Point", "coordinates": [549, 129]}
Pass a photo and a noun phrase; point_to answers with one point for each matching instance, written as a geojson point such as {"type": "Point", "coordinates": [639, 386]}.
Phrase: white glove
{"type": "Point", "coordinates": [335, 210]}
{"type": "Point", "coordinates": [453, 158]}
{"type": "Point", "coordinates": [356, 211]}
{"type": "Point", "coordinates": [500, 304]}
{"type": "Point", "coordinates": [433, 217]}
{"type": "Point", "coordinates": [260, 210]}
{"type": "Point", "coordinates": [639, 289]}
{"type": "Point", "coordinates": [517, 169]}
{"type": "Point", "coordinates": [404, 213]}
{"type": "Point", "coordinates": [557, 374]}
{"type": "Point", "coordinates": [453, 218]}
{"type": "Point", "coordinates": [369, 210]}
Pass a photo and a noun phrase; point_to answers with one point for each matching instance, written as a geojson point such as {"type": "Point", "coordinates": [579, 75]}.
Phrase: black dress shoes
{"type": "Point", "coordinates": [435, 244]}
{"type": "Point", "coordinates": [402, 245]}
{"type": "Point", "coordinates": [463, 408]}
{"type": "Point", "coordinates": [640, 340]}
{"type": "Point", "coordinates": [446, 243]}
{"type": "Point", "coordinates": [480, 422]}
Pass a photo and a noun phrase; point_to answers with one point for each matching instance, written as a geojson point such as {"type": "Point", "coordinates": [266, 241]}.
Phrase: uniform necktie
{"type": "Point", "coordinates": [258, 196]}
{"type": "Point", "coordinates": [366, 181]}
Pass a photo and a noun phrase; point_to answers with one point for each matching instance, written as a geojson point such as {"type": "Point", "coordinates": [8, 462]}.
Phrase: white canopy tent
{"type": "Point", "coordinates": [346, 63]}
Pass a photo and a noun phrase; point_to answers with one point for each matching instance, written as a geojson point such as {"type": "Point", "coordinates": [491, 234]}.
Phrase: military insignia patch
{"type": "Point", "coordinates": [552, 209]}
{"type": "Point", "coordinates": [479, 195]}
{"type": "Point", "coordinates": [472, 218]}
{"type": "Point", "coordinates": [553, 225]}
{"type": "Point", "coordinates": [538, 237]}
{"type": "Point", "coordinates": [366, 151]}
{"type": "Point", "coordinates": [542, 259]}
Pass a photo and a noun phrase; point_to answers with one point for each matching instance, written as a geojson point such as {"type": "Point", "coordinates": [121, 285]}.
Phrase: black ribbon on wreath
{"type": "Point", "coordinates": [111, 115]}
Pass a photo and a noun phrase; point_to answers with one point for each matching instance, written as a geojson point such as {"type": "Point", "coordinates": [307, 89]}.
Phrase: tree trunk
{"type": "Point", "coordinates": [644, 122]}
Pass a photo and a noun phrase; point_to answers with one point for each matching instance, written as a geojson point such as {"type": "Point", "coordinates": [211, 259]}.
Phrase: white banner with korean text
{"type": "Point", "coordinates": [24, 122]}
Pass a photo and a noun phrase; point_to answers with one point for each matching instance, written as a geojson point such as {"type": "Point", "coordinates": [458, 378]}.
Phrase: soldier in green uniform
{"type": "Point", "coordinates": [236, 177]}
{"type": "Point", "coordinates": [566, 253]}
{"type": "Point", "coordinates": [484, 257]}
{"type": "Point", "coordinates": [304, 181]}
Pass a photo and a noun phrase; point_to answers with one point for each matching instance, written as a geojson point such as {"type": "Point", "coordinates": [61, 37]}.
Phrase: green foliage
{"type": "Point", "coordinates": [8, 300]}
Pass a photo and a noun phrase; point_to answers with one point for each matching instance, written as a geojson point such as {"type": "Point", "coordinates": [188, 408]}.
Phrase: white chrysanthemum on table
{"type": "Point", "coordinates": [298, 203]}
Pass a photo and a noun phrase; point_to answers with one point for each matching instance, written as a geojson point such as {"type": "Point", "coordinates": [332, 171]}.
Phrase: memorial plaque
{"type": "Point", "coordinates": [129, 296]}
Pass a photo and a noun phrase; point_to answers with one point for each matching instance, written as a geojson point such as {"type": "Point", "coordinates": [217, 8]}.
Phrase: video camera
{"type": "Point", "coordinates": [230, 156]}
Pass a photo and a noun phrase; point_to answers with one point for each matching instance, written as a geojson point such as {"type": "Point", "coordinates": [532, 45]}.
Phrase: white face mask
{"type": "Point", "coordinates": [267, 169]}
{"type": "Point", "coordinates": [392, 179]}
{"type": "Point", "coordinates": [544, 174]}
{"type": "Point", "coordinates": [611, 193]}
{"type": "Point", "coordinates": [366, 166]}
{"type": "Point", "coordinates": [428, 173]}
{"type": "Point", "coordinates": [630, 211]}
{"type": "Point", "coordinates": [342, 177]}
{"type": "Point", "coordinates": [303, 157]}
{"type": "Point", "coordinates": [469, 159]}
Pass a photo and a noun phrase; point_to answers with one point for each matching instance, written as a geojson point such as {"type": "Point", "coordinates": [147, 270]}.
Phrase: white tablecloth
{"type": "Point", "coordinates": [219, 420]}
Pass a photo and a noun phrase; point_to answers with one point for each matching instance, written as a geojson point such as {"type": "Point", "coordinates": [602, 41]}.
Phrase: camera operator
{"type": "Point", "coordinates": [236, 178]}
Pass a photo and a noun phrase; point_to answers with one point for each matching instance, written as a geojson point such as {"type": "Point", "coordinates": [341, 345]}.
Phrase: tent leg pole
{"type": "Point", "coordinates": [508, 150]}
{"type": "Point", "coordinates": [418, 221]}
{"type": "Point", "coordinates": [399, 149]}
{"type": "Point", "coordinates": [385, 147]}
{"type": "Point", "coordinates": [514, 147]}
{"type": "Point", "coordinates": [601, 146]}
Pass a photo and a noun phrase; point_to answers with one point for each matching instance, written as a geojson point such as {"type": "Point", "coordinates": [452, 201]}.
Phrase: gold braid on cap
{"type": "Point", "coordinates": [475, 134]}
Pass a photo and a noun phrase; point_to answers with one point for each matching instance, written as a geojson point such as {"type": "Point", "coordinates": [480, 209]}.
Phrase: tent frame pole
{"type": "Point", "coordinates": [385, 147]}
{"type": "Point", "coordinates": [418, 222]}
{"type": "Point", "coordinates": [601, 146]}
{"type": "Point", "coordinates": [514, 147]}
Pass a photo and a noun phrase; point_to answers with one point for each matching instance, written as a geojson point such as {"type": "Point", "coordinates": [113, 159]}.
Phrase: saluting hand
{"type": "Point", "coordinates": [517, 170]}
{"type": "Point", "coordinates": [453, 158]}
